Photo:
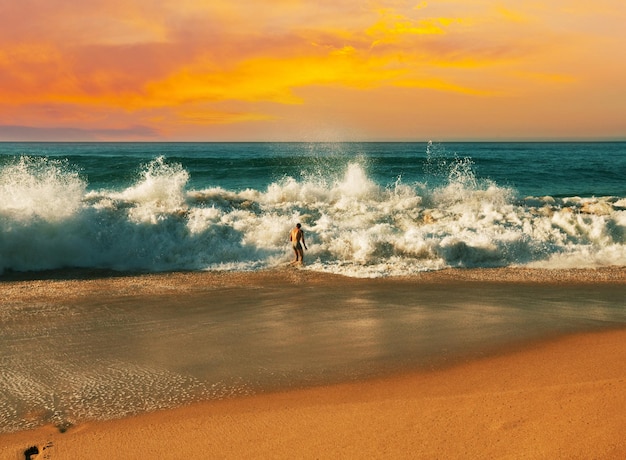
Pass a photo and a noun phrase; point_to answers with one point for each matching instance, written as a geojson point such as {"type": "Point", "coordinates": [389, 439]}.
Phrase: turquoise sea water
{"type": "Point", "coordinates": [368, 209]}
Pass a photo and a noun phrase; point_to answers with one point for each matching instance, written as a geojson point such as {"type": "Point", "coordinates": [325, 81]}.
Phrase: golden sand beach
{"type": "Point", "coordinates": [558, 397]}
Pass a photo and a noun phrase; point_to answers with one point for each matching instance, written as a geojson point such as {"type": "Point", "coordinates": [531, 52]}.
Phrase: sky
{"type": "Point", "coordinates": [302, 70]}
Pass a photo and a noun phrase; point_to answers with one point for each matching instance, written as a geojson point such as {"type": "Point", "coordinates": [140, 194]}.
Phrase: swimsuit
{"type": "Point", "coordinates": [296, 245]}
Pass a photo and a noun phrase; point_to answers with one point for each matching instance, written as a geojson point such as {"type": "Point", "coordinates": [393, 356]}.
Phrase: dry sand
{"type": "Point", "coordinates": [564, 398]}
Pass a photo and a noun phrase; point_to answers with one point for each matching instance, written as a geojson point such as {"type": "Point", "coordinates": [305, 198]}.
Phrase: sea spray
{"type": "Point", "coordinates": [51, 217]}
{"type": "Point", "coordinates": [40, 188]}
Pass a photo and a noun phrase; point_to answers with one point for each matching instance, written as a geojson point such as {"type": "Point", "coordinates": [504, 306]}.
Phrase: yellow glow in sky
{"type": "Point", "coordinates": [328, 70]}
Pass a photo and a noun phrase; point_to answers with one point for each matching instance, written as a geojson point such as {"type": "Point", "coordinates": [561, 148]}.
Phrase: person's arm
{"type": "Point", "coordinates": [304, 242]}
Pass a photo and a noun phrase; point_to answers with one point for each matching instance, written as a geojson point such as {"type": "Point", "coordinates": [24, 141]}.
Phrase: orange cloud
{"type": "Point", "coordinates": [109, 64]}
{"type": "Point", "coordinates": [392, 26]}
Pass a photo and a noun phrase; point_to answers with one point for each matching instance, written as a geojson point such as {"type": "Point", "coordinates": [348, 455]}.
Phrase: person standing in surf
{"type": "Point", "coordinates": [297, 241]}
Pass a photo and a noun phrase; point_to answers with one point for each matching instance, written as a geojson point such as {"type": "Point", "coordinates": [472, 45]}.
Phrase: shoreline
{"type": "Point", "coordinates": [554, 398]}
{"type": "Point", "coordinates": [404, 411]}
{"type": "Point", "coordinates": [79, 284]}
{"type": "Point", "coordinates": [611, 274]}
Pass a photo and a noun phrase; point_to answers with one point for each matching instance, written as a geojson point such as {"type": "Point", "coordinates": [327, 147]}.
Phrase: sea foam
{"type": "Point", "coordinates": [49, 219]}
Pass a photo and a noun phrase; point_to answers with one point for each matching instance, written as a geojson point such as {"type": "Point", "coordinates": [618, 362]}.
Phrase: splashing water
{"type": "Point", "coordinates": [48, 219]}
{"type": "Point", "coordinates": [39, 188]}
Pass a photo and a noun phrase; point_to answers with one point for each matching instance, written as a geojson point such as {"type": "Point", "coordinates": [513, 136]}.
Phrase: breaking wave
{"type": "Point", "coordinates": [50, 219]}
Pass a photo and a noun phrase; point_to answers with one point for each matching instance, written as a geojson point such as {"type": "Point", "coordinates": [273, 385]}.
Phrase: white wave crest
{"type": "Point", "coordinates": [40, 188]}
{"type": "Point", "coordinates": [353, 226]}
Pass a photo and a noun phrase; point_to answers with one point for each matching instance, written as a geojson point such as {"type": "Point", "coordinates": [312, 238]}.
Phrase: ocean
{"type": "Point", "coordinates": [367, 209]}
{"type": "Point", "coordinates": [137, 277]}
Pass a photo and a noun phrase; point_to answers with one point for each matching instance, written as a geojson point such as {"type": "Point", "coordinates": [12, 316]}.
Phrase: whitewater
{"type": "Point", "coordinates": [155, 216]}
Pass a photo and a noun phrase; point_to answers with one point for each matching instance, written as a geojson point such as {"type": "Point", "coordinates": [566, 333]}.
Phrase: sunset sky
{"type": "Point", "coordinates": [324, 70]}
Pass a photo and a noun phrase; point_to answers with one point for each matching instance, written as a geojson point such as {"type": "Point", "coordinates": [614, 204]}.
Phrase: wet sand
{"type": "Point", "coordinates": [79, 284]}
{"type": "Point", "coordinates": [559, 399]}
{"type": "Point", "coordinates": [555, 397]}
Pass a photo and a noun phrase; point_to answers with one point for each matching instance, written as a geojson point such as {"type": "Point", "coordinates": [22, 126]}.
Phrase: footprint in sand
{"type": "Point", "coordinates": [32, 453]}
